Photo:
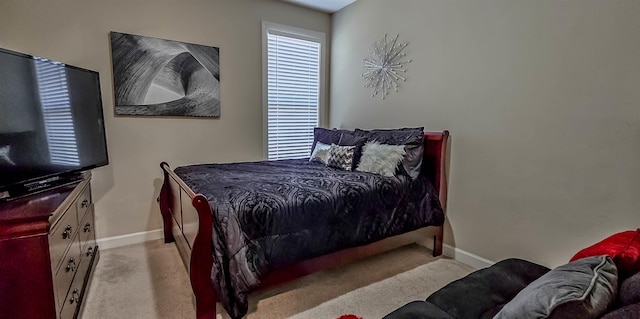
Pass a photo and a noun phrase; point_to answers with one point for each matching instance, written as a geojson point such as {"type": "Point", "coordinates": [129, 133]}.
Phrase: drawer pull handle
{"type": "Point", "coordinates": [87, 228]}
{"type": "Point", "coordinates": [71, 266]}
{"type": "Point", "coordinates": [67, 232]}
{"type": "Point", "coordinates": [85, 203]}
{"type": "Point", "coordinates": [75, 296]}
{"type": "Point", "coordinates": [90, 251]}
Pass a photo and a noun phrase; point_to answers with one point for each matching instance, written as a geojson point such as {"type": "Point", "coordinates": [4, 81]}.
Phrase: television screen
{"type": "Point", "coordinates": [51, 120]}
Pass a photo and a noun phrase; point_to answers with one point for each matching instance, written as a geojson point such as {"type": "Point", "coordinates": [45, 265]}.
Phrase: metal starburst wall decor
{"type": "Point", "coordinates": [383, 68]}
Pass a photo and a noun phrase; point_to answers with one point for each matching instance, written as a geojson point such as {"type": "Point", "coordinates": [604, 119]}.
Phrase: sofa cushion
{"type": "Point", "coordinates": [630, 290]}
{"type": "Point", "coordinates": [482, 293]}
{"type": "Point", "coordinates": [623, 247]}
{"type": "Point", "coordinates": [581, 289]}
{"type": "Point", "coordinates": [627, 312]}
{"type": "Point", "coordinates": [419, 310]}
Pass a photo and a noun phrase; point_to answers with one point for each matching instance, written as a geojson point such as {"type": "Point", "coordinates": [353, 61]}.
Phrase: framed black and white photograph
{"type": "Point", "coordinates": [157, 77]}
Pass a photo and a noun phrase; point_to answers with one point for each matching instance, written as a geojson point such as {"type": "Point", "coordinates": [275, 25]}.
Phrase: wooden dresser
{"type": "Point", "coordinates": [47, 253]}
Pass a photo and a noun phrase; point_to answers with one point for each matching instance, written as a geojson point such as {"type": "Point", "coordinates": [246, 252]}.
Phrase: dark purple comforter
{"type": "Point", "coordinates": [273, 213]}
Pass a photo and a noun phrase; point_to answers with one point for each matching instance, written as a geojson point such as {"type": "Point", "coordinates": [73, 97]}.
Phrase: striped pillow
{"type": "Point", "coordinates": [341, 157]}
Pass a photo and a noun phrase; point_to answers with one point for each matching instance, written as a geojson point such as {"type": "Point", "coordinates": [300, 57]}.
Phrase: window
{"type": "Point", "coordinates": [293, 89]}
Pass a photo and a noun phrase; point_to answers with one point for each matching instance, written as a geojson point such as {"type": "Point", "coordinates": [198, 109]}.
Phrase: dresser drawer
{"type": "Point", "coordinates": [61, 236]}
{"type": "Point", "coordinates": [88, 251]}
{"type": "Point", "coordinates": [87, 235]}
{"type": "Point", "coordinates": [65, 274]}
{"type": "Point", "coordinates": [75, 294]}
{"type": "Point", "coordinates": [83, 202]}
{"type": "Point", "coordinates": [87, 229]}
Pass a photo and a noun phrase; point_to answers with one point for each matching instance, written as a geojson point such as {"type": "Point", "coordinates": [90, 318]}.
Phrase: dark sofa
{"type": "Point", "coordinates": [484, 293]}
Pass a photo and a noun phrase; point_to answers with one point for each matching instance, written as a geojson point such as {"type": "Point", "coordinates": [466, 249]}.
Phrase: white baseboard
{"type": "Point", "coordinates": [129, 239]}
{"type": "Point", "coordinates": [458, 254]}
{"type": "Point", "coordinates": [466, 257]}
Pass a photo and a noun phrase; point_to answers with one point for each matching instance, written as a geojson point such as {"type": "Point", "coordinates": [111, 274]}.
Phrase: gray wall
{"type": "Point", "coordinates": [77, 32]}
{"type": "Point", "coordinates": [542, 99]}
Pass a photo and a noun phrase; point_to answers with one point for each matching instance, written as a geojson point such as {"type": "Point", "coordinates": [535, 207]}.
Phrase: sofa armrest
{"type": "Point", "coordinates": [484, 292]}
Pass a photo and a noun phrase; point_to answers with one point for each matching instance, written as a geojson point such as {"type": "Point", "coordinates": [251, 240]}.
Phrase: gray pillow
{"type": "Point", "coordinates": [583, 289]}
{"type": "Point", "coordinates": [411, 138]}
{"type": "Point", "coordinates": [320, 153]}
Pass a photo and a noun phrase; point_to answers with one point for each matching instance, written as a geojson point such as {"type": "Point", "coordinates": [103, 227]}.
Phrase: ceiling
{"type": "Point", "coordinates": [329, 6]}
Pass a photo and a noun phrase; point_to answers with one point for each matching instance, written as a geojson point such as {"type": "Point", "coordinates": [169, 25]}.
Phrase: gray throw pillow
{"type": "Point", "coordinates": [582, 289]}
{"type": "Point", "coordinates": [320, 153]}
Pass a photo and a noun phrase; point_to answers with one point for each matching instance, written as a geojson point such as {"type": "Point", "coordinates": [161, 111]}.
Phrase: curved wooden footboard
{"type": "Point", "coordinates": [196, 253]}
{"type": "Point", "coordinates": [187, 219]}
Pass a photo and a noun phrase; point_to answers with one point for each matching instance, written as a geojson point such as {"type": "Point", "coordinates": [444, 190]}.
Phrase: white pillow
{"type": "Point", "coordinates": [320, 153]}
{"type": "Point", "coordinates": [380, 159]}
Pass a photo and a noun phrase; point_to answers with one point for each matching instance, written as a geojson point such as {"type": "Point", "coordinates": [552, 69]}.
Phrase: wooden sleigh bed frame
{"type": "Point", "coordinates": [188, 221]}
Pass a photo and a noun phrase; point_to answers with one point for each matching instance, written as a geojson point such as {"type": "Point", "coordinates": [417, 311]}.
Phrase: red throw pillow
{"type": "Point", "coordinates": [349, 317]}
{"type": "Point", "coordinates": [623, 248]}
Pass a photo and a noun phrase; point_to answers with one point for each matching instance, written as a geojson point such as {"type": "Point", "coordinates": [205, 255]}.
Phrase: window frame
{"type": "Point", "coordinates": [298, 33]}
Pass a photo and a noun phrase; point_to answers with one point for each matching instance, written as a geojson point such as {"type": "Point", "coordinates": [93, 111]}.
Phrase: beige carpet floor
{"type": "Point", "coordinates": [149, 281]}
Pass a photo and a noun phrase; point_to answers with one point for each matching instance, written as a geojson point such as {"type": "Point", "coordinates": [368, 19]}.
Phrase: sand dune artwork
{"type": "Point", "coordinates": [156, 77]}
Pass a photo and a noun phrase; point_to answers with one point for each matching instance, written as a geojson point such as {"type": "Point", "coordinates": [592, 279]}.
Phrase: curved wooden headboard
{"type": "Point", "coordinates": [434, 162]}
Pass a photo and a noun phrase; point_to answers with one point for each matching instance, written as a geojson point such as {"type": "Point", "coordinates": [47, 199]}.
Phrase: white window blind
{"type": "Point", "coordinates": [293, 89]}
{"type": "Point", "coordinates": [56, 112]}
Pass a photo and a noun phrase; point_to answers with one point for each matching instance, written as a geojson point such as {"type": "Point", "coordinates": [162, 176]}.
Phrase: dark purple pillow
{"type": "Point", "coordinates": [630, 290]}
{"type": "Point", "coordinates": [411, 138]}
{"type": "Point", "coordinates": [396, 136]}
{"type": "Point", "coordinates": [326, 136]}
{"type": "Point", "coordinates": [626, 312]}
{"type": "Point", "coordinates": [335, 136]}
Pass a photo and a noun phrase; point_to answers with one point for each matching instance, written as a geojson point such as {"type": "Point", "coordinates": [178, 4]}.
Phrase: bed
{"type": "Point", "coordinates": [233, 241]}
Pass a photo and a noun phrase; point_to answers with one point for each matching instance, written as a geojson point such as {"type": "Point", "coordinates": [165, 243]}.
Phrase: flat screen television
{"type": "Point", "coordinates": [51, 123]}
